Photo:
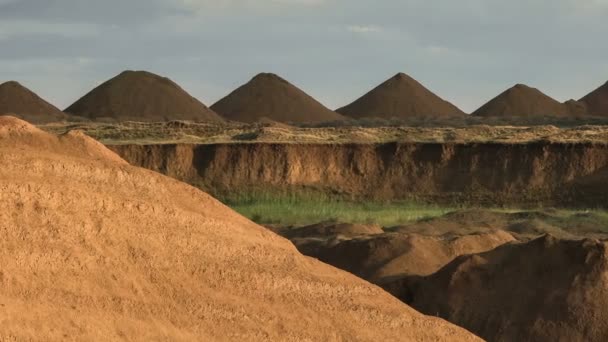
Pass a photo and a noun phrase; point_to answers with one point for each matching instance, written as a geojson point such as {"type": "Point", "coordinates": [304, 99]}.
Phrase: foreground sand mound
{"type": "Point", "coordinates": [544, 290]}
{"type": "Point", "coordinates": [17, 100]}
{"type": "Point", "coordinates": [141, 96]}
{"type": "Point", "coordinates": [523, 101]}
{"type": "Point", "coordinates": [271, 97]}
{"type": "Point", "coordinates": [597, 101]}
{"type": "Point", "coordinates": [400, 97]}
{"type": "Point", "coordinates": [383, 257]}
{"type": "Point", "coordinates": [94, 249]}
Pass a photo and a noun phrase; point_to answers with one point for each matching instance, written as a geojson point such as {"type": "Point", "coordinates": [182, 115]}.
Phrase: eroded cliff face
{"type": "Point", "coordinates": [572, 174]}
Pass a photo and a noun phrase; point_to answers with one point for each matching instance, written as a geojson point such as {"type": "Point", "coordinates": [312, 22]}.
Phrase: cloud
{"type": "Point", "coordinates": [464, 50]}
{"type": "Point", "coordinates": [24, 27]}
{"type": "Point", "coordinates": [364, 29]}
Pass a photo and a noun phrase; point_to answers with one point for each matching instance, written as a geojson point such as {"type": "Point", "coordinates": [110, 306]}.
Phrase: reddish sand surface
{"type": "Point", "coordinates": [95, 249]}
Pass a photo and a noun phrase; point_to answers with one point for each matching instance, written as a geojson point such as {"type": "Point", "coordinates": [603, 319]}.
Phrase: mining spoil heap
{"type": "Point", "coordinates": [17, 100]}
{"type": "Point", "coordinates": [400, 97]}
{"type": "Point", "coordinates": [597, 101]}
{"type": "Point", "coordinates": [141, 96]}
{"type": "Point", "coordinates": [271, 97]}
{"type": "Point", "coordinates": [544, 290]}
{"type": "Point", "coordinates": [523, 101]}
{"type": "Point", "coordinates": [95, 249]}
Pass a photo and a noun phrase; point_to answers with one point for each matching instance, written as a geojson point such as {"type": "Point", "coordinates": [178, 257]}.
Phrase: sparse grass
{"type": "Point", "coordinates": [303, 209]}
{"type": "Point", "coordinates": [226, 133]}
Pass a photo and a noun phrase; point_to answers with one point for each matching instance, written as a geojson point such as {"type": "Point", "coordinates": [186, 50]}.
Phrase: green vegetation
{"type": "Point", "coordinates": [302, 209]}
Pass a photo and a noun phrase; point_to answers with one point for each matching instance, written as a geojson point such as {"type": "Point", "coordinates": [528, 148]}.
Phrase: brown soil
{"type": "Point", "coordinates": [17, 100]}
{"type": "Point", "coordinates": [328, 229]}
{"type": "Point", "coordinates": [544, 290]}
{"type": "Point", "coordinates": [95, 249]}
{"type": "Point", "coordinates": [141, 96]}
{"type": "Point", "coordinates": [524, 101]}
{"type": "Point", "coordinates": [597, 101]}
{"type": "Point", "coordinates": [550, 174]}
{"type": "Point", "coordinates": [271, 97]}
{"type": "Point", "coordinates": [382, 257]}
{"type": "Point", "coordinates": [400, 97]}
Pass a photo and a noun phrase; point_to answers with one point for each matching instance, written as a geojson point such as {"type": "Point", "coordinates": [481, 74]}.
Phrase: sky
{"type": "Point", "coordinates": [466, 51]}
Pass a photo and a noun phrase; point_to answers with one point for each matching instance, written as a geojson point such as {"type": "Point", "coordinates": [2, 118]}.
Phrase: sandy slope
{"type": "Point", "coordinates": [94, 249]}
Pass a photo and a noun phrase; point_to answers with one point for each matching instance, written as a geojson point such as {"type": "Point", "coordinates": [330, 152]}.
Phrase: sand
{"type": "Point", "coordinates": [544, 290]}
{"type": "Point", "coordinates": [95, 249]}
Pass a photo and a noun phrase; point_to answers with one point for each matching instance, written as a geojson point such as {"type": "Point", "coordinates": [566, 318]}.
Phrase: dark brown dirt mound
{"type": "Point", "coordinates": [597, 101]}
{"type": "Point", "coordinates": [327, 229]}
{"type": "Point", "coordinates": [271, 97]}
{"type": "Point", "coordinates": [400, 97]}
{"type": "Point", "coordinates": [17, 100]}
{"type": "Point", "coordinates": [381, 257]}
{"type": "Point", "coordinates": [523, 101]}
{"type": "Point", "coordinates": [141, 96]}
{"type": "Point", "coordinates": [93, 249]}
{"type": "Point", "coordinates": [544, 290]}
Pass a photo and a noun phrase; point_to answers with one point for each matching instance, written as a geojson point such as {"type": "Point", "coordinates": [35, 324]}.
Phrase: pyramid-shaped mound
{"type": "Point", "coordinates": [268, 95]}
{"type": "Point", "coordinates": [400, 97]}
{"type": "Point", "coordinates": [523, 101]}
{"type": "Point", "coordinates": [597, 101]}
{"type": "Point", "coordinates": [17, 100]}
{"type": "Point", "coordinates": [141, 96]}
{"type": "Point", "coordinates": [93, 249]}
{"type": "Point", "coordinates": [544, 290]}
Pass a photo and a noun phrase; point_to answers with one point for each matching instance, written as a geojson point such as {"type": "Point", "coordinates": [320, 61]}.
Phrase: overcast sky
{"type": "Point", "coordinates": [467, 51]}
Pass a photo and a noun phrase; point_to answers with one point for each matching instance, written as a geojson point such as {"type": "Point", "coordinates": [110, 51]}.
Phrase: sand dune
{"type": "Point", "coordinates": [95, 249]}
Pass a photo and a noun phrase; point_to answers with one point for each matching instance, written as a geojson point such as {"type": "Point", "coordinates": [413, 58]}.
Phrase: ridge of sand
{"type": "Point", "coordinates": [597, 101]}
{"type": "Point", "coordinates": [400, 97]}
{"type": "Point", "coordinates": [95, 249]}
{"type": "Point", "coordinates": [141, 96]}
{"type": "Point", "coordinates": [271, 97]}
{"type": "Point", "coordinates": [524, 101]}
{"type": "Point", "coordinates": [15, 99]}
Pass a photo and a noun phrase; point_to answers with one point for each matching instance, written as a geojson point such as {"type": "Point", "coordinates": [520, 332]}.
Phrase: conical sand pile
{"type": "Point", "coordinates": [141, 96]}
{"type": "Point", "coordinates": [523, 101]}
{"type": "Point", "coordinates": [597, 101]}
{"type": "Point", "coordinates": [544, 290]}
{"type": "Point", "coordinates": [400, 97]}
{"type": "Point", "coordinates": [17, 100]}
{"type": "Point", "coordinates": [93, 249]}
{"type": "Point", "coordinates": [269, 96]}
